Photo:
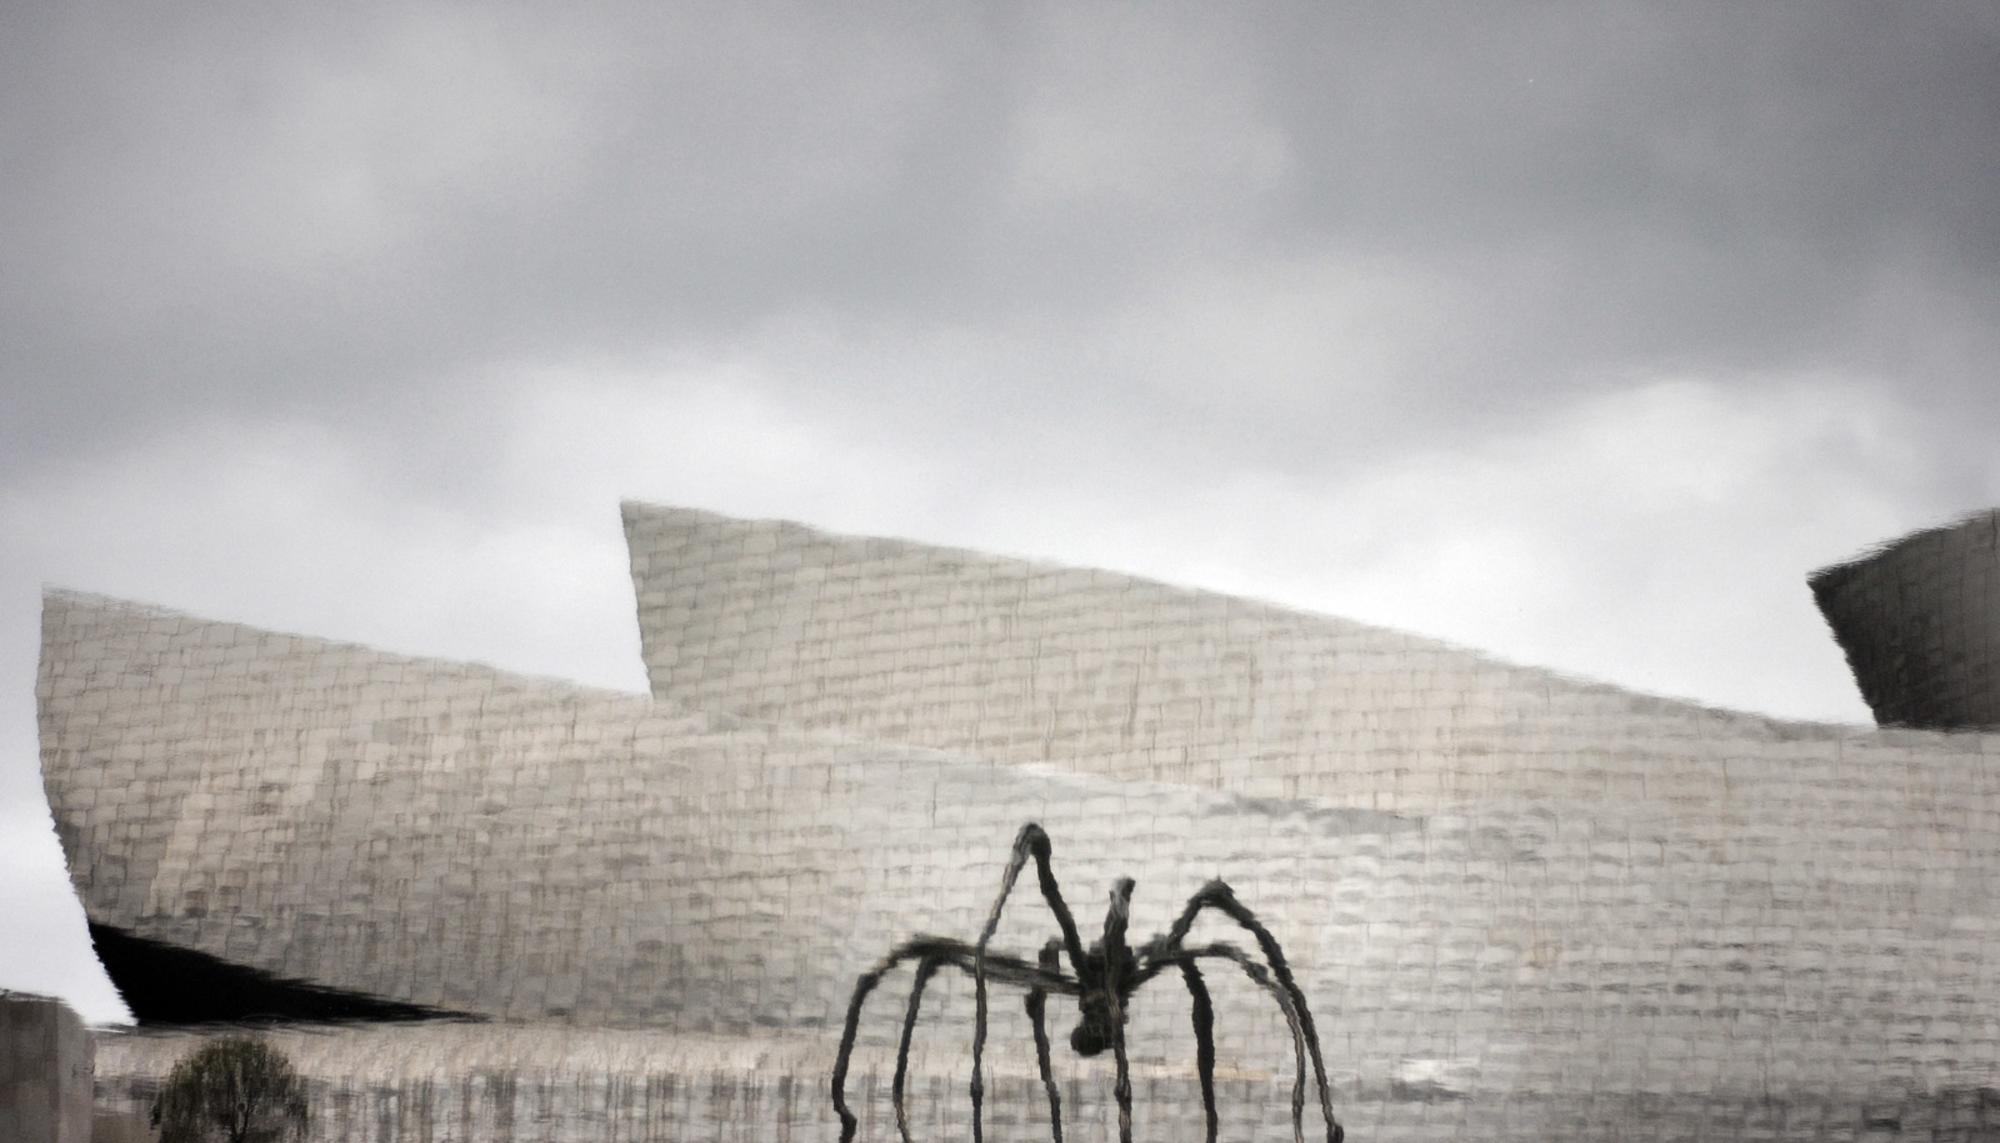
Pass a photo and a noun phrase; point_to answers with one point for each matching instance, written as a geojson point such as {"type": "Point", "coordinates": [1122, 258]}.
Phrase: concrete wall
{"type": "Point", "coordinates": [1920, 622]}
{"type": "Point", "coordinates": [1763, 919]}
{"type": "Point", "coordinates": [1117, 675]}
{"type": "Point", "coordinates": [45, 1071]}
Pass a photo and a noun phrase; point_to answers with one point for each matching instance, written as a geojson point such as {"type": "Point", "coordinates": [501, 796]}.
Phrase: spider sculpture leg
{"type": "Point", "coordinates": [1204, 1043]}
{"type": "Point", "coordinates": [1262, 979]}
{"type": "Point", "coordinates": [1037, 1002]}
{"type": "Point", "coordinates": [925, 968]}
{"type": "Point", "coordinates": [1031, 841]}
{"type": "Point", "coordinates": [1117, 959]}
{"type": "Point", "coordinates": [1218, 895]}
{"type": "Point", "coordinates": [1007, 969]}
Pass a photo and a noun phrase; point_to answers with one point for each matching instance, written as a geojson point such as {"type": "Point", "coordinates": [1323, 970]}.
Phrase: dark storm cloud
{"type": "Point", "coordinates": [366, 219]}
{"type": "Point", "coordinates": [1610, 188]}
{"type": "Point", "coordinates": [309, 212]}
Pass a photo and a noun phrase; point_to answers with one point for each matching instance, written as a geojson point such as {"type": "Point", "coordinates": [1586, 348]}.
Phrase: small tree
{"type": "Point", "coordinates": [233, 1090]}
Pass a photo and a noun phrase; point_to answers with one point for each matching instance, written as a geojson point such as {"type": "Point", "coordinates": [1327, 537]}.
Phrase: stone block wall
{"type": "Point", "coordinates": [1920, 623]}
{"type": "Point", "coordinates": [45, 1071]}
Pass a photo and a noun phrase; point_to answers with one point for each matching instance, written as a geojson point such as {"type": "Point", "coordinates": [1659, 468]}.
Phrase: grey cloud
{"type": "Point", "coordinates": [297, 216]}
{"type": "Point", "coordinates": [316, 214]}
{"type": "Point", "coordinates": [1299, 238]}
{"type": "Point", "coordinates": [1718, 183]}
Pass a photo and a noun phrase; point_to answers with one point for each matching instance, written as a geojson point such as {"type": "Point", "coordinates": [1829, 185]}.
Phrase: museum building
{"type": "Point", "coordinates": [477, 905]}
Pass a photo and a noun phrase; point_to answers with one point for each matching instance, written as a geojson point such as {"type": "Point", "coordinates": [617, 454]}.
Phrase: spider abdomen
{"type": "Point", "coordinates": [1101, 1002]}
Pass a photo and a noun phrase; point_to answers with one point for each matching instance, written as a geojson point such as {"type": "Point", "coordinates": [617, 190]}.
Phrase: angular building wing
{"type": "Point", "coordinates": [1128, 677]}
{"type": "Point", "coordinates": [1919, 620]}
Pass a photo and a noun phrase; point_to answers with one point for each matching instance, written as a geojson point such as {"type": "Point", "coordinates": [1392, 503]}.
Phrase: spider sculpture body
{"type": "Point", "coordinates": [1102, 978]}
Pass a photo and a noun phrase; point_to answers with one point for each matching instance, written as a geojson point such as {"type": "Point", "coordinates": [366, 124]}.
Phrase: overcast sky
{"type": "Point", "coordinates": [1579, 333]}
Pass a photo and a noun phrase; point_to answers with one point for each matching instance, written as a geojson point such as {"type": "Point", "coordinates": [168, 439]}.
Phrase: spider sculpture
{"type": "Point", "coordinates": [1103, 979]}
